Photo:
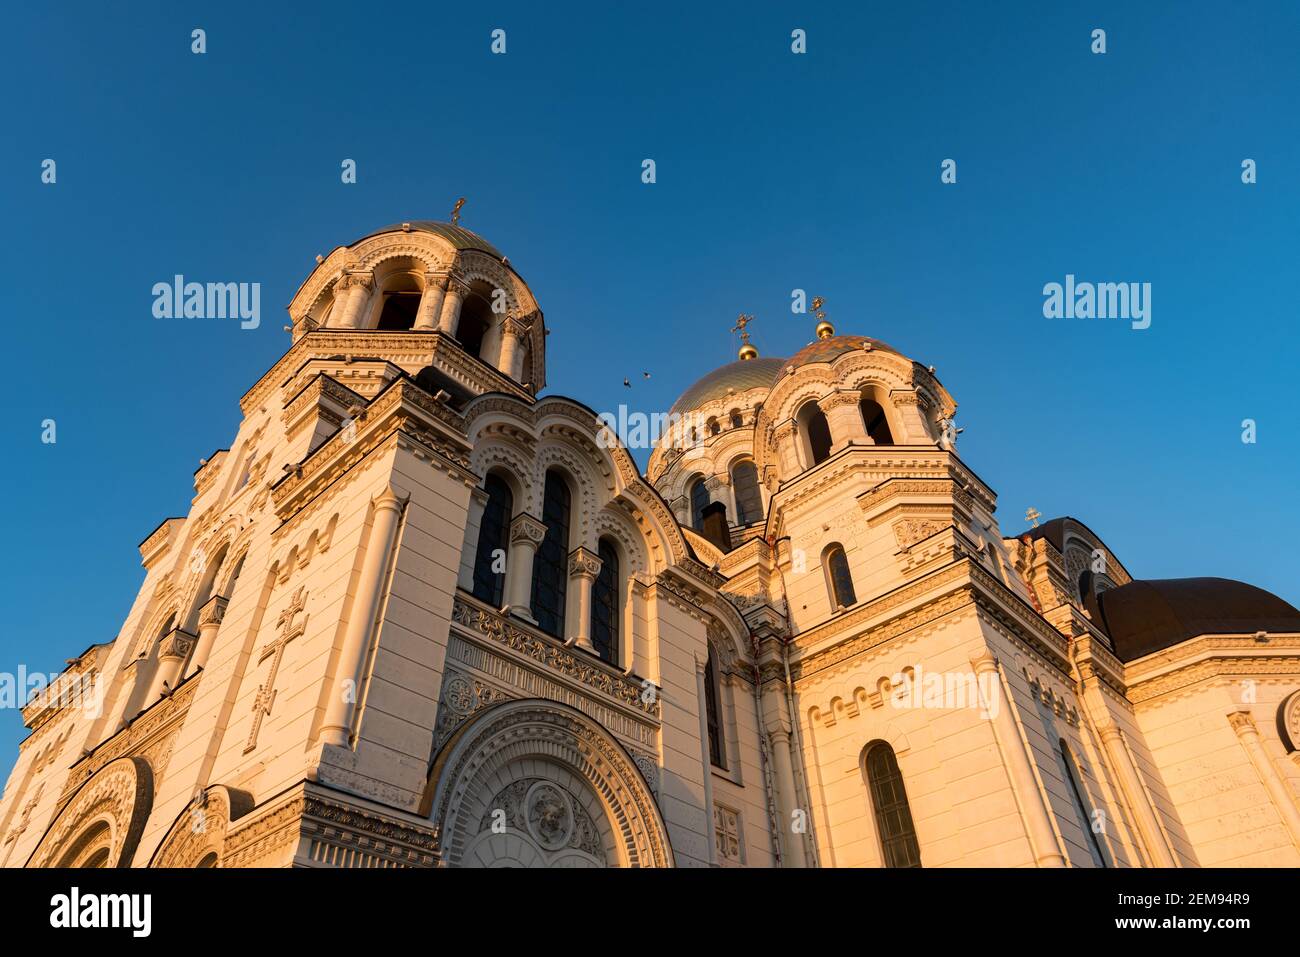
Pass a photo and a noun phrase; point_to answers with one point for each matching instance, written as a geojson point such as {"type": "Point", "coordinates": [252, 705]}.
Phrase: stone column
{"type": "Point", "coordinates": [915, 430]}
{"type": "Point", "coordinates": [512, 356]}
{"type": "Point", "coordinates": [779, 735]}
{"type": "Point", "coordinates": [526, 535]}
{"type": "Point", "coordinates": [356, 286]}
{"type": "Point", "coordinates": [1131, 784]}
{"type": "Point", "coordinates": [584, 566]}
{"type": "Point", "coordinates": [1037, 816]}
{"type": "Point", "coordinates": [336, 729]}
{"type": "Point", "coordinates": [174, 648]}
{"type": "Point", "coordinates": [1278, 792]}
{"type": "Point", "coordinates": [435, 290]}
{"type": "Point", "coordinates": [787, 451]}
{"type": "Point", "coordinates": [478, 500]}
{"type": "Point", "coordinates": [449, 318]}
{"type": "Point", "coordinates": [210, 617]}
{"type": "Point", "coordinates": [844, 418]}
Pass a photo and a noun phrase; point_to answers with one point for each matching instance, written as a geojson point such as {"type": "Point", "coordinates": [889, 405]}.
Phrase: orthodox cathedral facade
{"type": "Point", "coordinates": [418, 616]}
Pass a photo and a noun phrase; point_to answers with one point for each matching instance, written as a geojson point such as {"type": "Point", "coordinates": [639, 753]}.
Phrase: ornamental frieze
{"type": "Point", "coordinates": [598, 677]}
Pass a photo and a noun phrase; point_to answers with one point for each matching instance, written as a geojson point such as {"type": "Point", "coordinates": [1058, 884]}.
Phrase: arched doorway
{"type": "Point", "coordinates": [535, 783]}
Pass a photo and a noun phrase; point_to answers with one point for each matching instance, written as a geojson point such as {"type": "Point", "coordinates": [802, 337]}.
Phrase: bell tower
{"type": "Point", "coordinates": [428, 298]}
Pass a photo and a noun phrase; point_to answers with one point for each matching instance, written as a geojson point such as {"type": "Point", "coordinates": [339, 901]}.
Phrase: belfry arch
{"type": "Point", "coordinates": [536, 783]}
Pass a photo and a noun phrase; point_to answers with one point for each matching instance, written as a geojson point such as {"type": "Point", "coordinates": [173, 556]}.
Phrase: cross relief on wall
{"type": "Point", "coordinates": [289, 630]}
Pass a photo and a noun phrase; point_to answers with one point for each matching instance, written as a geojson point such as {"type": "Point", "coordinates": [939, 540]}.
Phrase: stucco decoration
{"type": "Point", "coordinates": [102, 824]}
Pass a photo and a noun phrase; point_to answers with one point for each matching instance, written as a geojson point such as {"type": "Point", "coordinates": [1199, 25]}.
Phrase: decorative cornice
{"type": "Point", "coordinates": [160, 541]}
{"type": "Point", "coordinates": [401, 408]}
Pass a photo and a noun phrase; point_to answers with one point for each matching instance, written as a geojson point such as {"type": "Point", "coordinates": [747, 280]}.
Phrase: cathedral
{"type": "Point", "coordinates": [418, 616]}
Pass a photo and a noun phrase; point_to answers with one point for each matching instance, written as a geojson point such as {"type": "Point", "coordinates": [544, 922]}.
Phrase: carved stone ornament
{"type": "Point", "coordinates": [102, 824]}
{"type": "Point", "coordinates": [584, 563]}
{"type": "Point", "coordinates": [525, 528]}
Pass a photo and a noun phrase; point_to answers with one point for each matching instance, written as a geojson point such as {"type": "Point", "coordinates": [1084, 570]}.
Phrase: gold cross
{"type": "Point", "coordinates": [274, 650]}
{"type": "Point", "coordinates": [455, 213]}
{"type": "Point", "coordinates": [741, 322]}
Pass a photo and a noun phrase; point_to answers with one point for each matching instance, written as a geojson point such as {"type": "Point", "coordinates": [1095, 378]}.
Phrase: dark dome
{"type": "Point", "coordinates": [1148, 616]}
{"type": "Point", "coordinates": [739, 376]}
{"type": "Point", "coordinates": [826, 350]}
{"type": "Point", "coordinates": [458, 236]}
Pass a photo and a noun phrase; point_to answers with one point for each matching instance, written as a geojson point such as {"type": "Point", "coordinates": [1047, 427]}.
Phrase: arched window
{"type": "Point", "coordinates": [817, 433]}
{"type": "Point", "coordinates": [401, 301]}
{"type": "Point", "coordinates": [873, 417]}
{"type": "Point", "coordinates": [475, 320]}
{"type": "Point", "coordinates": [996, 562]}
{"type": "Point", "coordinates": [493, 542]}
{"type": "Point", "coordinates": [1085, 585]}
{"type": "Point", "coordinates": [699, 499]}
{"type": "Point", "coordinates": [838, 579]}
{"type": "Point", "coordinates": [736, 420]}
{"type": "Point", "coordinates": [1075, 780]}
{"type": "Point", "coordinates": [605, 605]}
{"type": "Point", "coordinates": [889, 801]}
{"type": "Point", "coordinates": [549, 579]}
{"type": "Point", "coordinates": [714, 428]}
{"type": "Point", "coordinates": [744, 482]}
{"type": "Point", "coordinates": [717, 748]}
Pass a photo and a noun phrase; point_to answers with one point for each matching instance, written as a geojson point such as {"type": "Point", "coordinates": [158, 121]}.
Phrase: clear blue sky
{"type": "Point", "coordinates": [775, 171]}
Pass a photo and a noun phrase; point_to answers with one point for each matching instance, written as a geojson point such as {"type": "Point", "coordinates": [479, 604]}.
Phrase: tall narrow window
{"type": "Point", "coordinates": [812, 421]}
{"type": "Point", "coordinates": [889, 800]}
{"type": "Point", "coordinates": [744, 482]}
{"type": "Point", "coordinates": [736, 420]}
{"type": "Point", "coordinates": [475, 320]}
{"type": "Point", "coordinates": [604, 604]}
{"type": "Point", "coordinates": [1081, 805]}
{"type": "Point", "coordinates": [717, 753]}
{"type": "Point", "coordinates": [549, 578]}
{"type": "Point", "coordinates": [838, 578]}
{"type": "Point", "coordinates": [873, 417]}
{"type": "Point", "coordinates": [699, 499]}
{"type": "Point", "coordinates": [493, 542]}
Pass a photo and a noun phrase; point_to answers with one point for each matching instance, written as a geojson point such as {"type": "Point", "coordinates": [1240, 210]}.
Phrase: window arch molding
{"type": "Point", "coordinates": [840, 589]}
{"type": "Point", "coordinates": [698, 497]}
{"type": "Point", "coordinates": [877, 392]}
{"type": "Point", "coordinates": [747, 499]}
{"type": "Point", "coordinates": [396, 276]}
{"type": "Point", "coordinates": [891, 812]}
{"type": "Point", "coordinates": [814, 431]}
